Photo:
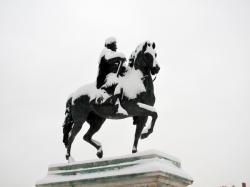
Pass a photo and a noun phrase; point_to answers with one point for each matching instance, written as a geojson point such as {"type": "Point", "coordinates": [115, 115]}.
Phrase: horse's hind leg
{"type": "Point", "coordinates": [95, 123]}
{"type": "Point", "coordinates": [140, 123]}
{"type": "Point", "coordinates": [74, 131]}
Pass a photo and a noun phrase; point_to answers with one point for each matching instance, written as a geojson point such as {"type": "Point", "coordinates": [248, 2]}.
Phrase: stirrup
{"type": "Point", "coordinates": [99, 100]}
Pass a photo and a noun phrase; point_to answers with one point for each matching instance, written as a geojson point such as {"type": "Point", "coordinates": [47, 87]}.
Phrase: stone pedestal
{"type": "Point", "coordinates": [144, 169]}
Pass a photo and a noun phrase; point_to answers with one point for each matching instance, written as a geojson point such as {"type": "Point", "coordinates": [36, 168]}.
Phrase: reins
{"type": "Point", "coordinates": [154, 78]}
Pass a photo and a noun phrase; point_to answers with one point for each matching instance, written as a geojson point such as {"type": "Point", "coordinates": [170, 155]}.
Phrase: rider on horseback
{"type": "Point", "coordinates": [110, 68]}
{"type": "Point", "coordinates": [137, 89]}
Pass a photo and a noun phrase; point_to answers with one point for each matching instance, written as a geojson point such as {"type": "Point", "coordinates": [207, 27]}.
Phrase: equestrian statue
{"type": "Point", "coordinates": [119, 92]}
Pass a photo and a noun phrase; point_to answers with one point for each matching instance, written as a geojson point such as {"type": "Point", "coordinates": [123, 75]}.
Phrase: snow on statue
{"type": "Point", "coordinates": [119, 92]}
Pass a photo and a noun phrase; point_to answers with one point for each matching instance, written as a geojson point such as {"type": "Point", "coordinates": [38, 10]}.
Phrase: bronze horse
{"type": "Point", "coordinates": [137, 103]}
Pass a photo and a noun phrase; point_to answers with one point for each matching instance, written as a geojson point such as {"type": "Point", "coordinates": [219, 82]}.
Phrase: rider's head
{"type": "Point", "coordinates": [110, 43]}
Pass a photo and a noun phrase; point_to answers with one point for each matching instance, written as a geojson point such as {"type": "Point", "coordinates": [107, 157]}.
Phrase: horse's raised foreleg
{"type": "Point", "coordinates": [95, 123]}
{"type": "Point", "coordinates": [150, 110]}
{"type": "Point", "coordinates": [140, 123]}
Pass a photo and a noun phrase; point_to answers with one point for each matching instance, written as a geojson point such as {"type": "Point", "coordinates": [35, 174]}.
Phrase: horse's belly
{"type": "Point", "coordinates": [108, 111]}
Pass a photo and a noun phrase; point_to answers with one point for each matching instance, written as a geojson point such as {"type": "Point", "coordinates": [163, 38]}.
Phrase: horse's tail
{"type": "Point", "coordinates": [68, 122]}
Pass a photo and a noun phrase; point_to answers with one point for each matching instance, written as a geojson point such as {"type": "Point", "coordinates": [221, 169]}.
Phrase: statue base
{"type": "Point", "coordinates": [144, 169]}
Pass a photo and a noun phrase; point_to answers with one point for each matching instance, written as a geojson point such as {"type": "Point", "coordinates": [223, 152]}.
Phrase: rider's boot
{"type": "Point", "coordinates": [120, 109]}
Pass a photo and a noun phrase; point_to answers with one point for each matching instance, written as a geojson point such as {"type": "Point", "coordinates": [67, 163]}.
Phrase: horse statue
{"type": "Point", "coordinates": [136, 97]}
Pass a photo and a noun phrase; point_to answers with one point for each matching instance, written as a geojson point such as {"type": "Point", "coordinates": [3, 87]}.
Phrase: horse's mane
{"type": "Point", "coordinates": [134, 54]}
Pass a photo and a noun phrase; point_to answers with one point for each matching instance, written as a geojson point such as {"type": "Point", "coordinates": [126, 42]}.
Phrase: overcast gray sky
{"type": "Point", "coordinates": [50, 48]}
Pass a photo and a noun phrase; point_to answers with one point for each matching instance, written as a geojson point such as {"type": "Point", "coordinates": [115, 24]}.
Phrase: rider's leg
{"type": "Point", "coordinates": [118, 97]}
{"type": "Point", "coordinates": [120, 109]}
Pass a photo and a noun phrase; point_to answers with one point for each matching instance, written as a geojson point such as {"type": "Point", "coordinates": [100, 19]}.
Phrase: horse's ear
{"type": "Point", "coordinates": [144, 47]}
{"type": "Point", "coordinates": [153, 45]}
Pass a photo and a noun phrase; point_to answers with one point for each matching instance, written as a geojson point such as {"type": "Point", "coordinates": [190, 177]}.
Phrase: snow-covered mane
{"type": "Point", "coordinates": [150, 48]}
{"type": "Point", "coordinates": [134, 54]}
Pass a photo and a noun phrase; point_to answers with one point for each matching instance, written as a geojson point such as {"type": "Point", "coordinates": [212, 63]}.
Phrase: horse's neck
{"type": "Point", "coordinates": [147, 78]}
{"type": "Point", "coordinates": [138, 65]}
{"type": "Point", "coordinates": [148, 83]}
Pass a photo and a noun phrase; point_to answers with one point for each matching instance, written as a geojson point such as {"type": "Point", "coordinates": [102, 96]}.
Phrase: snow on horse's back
{"type": "Point", "coordinates": [91, 91]}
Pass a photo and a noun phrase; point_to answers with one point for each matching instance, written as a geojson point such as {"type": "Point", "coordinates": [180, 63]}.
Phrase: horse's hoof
{"type": "Point", "coordinates": [145, 135]}
{"type": "Point", "coordinates": [67, 157]}
{"type": "Point", "coordinates": [99, 154]}
{"type": "Point", "coordinates": [134, 151]}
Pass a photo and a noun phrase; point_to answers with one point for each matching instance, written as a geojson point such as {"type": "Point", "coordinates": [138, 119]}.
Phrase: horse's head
{"type": "Point", "coordinates": [144, 58]}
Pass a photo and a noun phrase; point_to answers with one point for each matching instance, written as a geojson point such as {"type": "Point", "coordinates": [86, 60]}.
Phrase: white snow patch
{"type": "Point", "coordinates": [152, 51]}
{"type": "Point", "coordinates": [70, 132]}
{"type": "Point", "coordinates": [108, 54]}
{"type": "Point", "coordinates": [110, 40]}
{"type": "Point", "coordinates": [99, 150]}
{"type": "Point", "coordinates": [139, 48]}
{"type": "Point", "coordinates": [91, 91]}
{"type": "Point", "coordinates": [96, 142]}
{"type": "Point", "coordinates": [111, 79]}
{"type": "Point", "coordinates": [131, 84]}
{"type": "Point", "coordinates": [147, 107]}
{"type": "Point", "coordinates": [145, 130]}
